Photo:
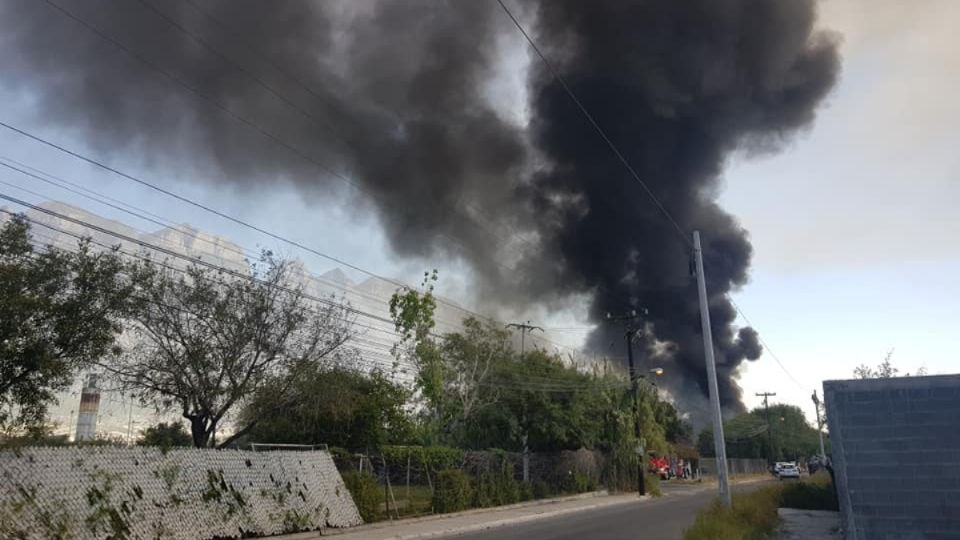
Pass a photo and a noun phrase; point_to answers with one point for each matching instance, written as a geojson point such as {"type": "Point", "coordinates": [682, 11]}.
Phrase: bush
{"type": "Point", "coordinates": [453, 492]}
{"type": "Point", "coordinates": [433, 458]}
{"type": "Point", "coordinates": [817, 493]}
{"type": "Point", "coordinates": [526, 491]}
{"type": "Point", "coordinates": [497, 488]}
{"type": "Point", "coordinates": [652, 483]}
{"type": "Point", "coordinates": [365, 491]}
{"type": "Point", "coordinates": [753, 515]}
{"type": "Point", "coordinates": [541, 490]}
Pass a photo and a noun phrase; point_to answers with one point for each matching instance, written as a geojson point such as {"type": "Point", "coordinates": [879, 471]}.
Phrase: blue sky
{"type": "Point", "coordinates": [854, 222]}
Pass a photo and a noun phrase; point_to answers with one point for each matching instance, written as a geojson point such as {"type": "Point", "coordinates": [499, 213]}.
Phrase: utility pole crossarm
{"type": "Point", "coordinates": [524, 328]}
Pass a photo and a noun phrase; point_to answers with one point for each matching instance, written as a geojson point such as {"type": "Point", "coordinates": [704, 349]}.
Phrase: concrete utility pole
{"type": "Point", "coordinates": [718, 441]}
{"type": "Point", "coordinates": [630, 332]}
{"type": "Point", "coordinates": [524, 328]}
{"type": "Point", "coordinates": [766, 412]}
{"type": "Point", "coordinates": [816, 405]}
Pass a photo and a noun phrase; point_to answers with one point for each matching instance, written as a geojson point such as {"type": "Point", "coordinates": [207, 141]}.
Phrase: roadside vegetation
{"type": "Point", "coordinates": [248, 356]}
{"type": "Point", "coordinates": [753, 515]}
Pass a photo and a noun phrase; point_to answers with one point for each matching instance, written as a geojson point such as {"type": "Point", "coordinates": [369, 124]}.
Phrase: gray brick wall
{"type": "Point", "coordinates": [896, 455]}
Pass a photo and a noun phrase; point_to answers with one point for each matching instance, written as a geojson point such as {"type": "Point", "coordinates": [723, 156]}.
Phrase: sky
{"type": "Point", "coordinates": [853, 223]}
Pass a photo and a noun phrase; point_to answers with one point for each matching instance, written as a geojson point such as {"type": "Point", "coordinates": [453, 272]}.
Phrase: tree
{"type": "Point", "coordinates": [58, 310]}
{"type": "Point", "coordinates": [165, 436]}
{"type": "Point", "coordinates": [746, 435]}
{"type": "Point", "coordinates": [413, 314]}
{"type": "Point", "coordinates": [206, 339]}
{"type": "Point", "coordinates": [884, 370]}
{"type": "Point", "coordinates": [335, 406]}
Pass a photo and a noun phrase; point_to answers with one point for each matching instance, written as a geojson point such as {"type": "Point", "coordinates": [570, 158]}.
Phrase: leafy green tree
{"type": "Point", "coordinates": [166, 435]}
{"type": "Point", "coordinates": [413, 314]}
{"type": "Point", "coordinates": [747, 437]}
{"type": "Point", "coordinates": [33, 434]}
{"type": "Point", "coordinates": [207, 340]}
{"type": "Point", "coordinates": [58, 311]}
{"type": "Point", "coordinates": [334, 406]}
{"type": "Point", "coordinates": [884, 370]}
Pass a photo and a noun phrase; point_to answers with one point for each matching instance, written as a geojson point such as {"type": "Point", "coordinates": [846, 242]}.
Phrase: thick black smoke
{"type": "Point", "coordinates": [389, 106]}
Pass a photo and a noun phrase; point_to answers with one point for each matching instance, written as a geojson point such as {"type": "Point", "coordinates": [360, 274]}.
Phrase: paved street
{"type": "Point", "coordinates": [664, 518]}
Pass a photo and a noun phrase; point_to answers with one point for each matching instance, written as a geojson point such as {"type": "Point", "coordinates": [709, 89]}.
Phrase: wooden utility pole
{"type": "Point", "coordinates": [766, 412]}
{"type": "Point", "coordinates": [629, 322]}
{"type": "Point", "coordinates": [816, 404]}
{"type": "Point", "coordinates": [524, 328]}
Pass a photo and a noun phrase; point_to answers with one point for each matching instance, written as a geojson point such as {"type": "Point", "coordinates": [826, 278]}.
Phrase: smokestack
{"type": "Point", "coordinates": [89, 409]}
{"type": "Point", "coordinates": [398, 97]}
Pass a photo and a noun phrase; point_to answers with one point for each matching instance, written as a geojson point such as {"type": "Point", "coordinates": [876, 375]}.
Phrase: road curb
{"type": "Point", "coordinates": [471, 512]}
{"type": "Point", "coordinates": [463, 529]}
{"type": "Point", "coordinates": [512, 521]}
{"type": "Point", "coordinates": [602, 496]}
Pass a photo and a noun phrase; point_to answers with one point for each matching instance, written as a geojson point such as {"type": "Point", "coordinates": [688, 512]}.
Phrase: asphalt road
{"type": "Point", "coordinates": [664, 518]}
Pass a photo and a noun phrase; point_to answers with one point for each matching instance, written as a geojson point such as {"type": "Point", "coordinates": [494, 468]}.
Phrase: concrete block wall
{"type": "Point", "coordinates": [896, 456]}
{"type": "Point", "coordinates": [87, 493]}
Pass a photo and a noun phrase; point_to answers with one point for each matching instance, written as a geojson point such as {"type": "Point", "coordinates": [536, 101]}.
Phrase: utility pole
{"type": "Point", "coordinates": [766, 412]}
{"type": "Point", "coordinates": [816, 405]}
{"type": "Point", "coordinates": [630, 332]}
{"type": "Point", "coordinates": [718, 440]}
{"type": "Point", "coordinates": [524, 328]}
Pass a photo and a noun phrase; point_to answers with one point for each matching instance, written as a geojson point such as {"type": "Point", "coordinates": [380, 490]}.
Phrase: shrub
{"type": "Point", "coordinates": [433, 458]}
{"type": "Point", "coordinates": [496, 488]}
{"type": "Point", "coordinates": [753, 515]}
{"type": "Point", "coordinates": [365, 491]}
{"type": "Point", "coordinates": [526, 491]}
{"type": "Point", "coordinates": [652, 483]}
{"type": "Point", "coordinates": [817, 493]}
{"type": "Point", "coordinates": [453, 492]}
{"type": "Point", "coordinates": [542, 490]}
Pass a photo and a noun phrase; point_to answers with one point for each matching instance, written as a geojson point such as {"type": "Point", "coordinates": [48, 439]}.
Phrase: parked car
{"type": "Point", "coordinates": [787, 470]}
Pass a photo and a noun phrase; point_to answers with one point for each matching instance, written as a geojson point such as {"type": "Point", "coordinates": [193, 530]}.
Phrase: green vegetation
{"type": "Point", "coordinates": [165, 436]}
{"type": "Point", "coordinates": [746, 435]}
{"type": "Point", "coordinates": [58, 310]}
{"type": "Point", "coordinates": [453, 491]}
{"type": "Point", "coordinates": [365, 491]}
{"type": "Point", "coordinates": [814, 493]}
{"type": "Point", "coordinates": [753, 515]}
{"type": "Point", "coordinates": [335, 406]}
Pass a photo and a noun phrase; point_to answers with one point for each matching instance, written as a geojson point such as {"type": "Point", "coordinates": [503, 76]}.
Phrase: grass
{"type": "Point", "coordinates": [417, 503]}
{"type": "Point", "coordinates": [753, 515]}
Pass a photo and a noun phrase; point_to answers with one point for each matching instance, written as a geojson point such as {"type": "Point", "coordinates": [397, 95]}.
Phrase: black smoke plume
{"type": "Point", "coordinates": [391, 106]}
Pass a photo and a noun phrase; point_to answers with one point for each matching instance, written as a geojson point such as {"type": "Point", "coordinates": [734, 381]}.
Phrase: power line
{"type": "Point", "coordinates": [529, 381]}
{"type": "Point", "coordinates": [767, 347]}
{"type": "Point", "coordinates": [227, 110]}
{"type": "Point", "coordinates": [616, 151]}
{"type": "Point", "coordinates": [223, 215]}
{"type": "Point", "coordinates": [250, 124]}
{"type": "Point", "coordinates": [165, 224]}
{"type": "Point", "coordinates": [623, 160]}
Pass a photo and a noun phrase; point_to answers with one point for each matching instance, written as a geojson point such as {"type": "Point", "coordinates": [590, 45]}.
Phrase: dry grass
{"type": "Point", "coordinates": [754, 514]}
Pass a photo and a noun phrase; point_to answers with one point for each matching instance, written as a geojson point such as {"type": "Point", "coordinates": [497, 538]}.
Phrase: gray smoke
{"type": "Point", "coordinates": [387, 105]}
